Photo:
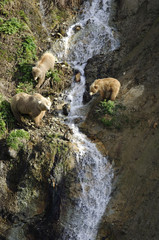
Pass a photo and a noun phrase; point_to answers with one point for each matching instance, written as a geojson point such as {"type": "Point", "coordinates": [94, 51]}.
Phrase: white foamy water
{"type": "Point", "coordinates": [89, 36]}
{"type": "Point", "coordinates": [95, 35]}
{"type": "Point", "coordinates": [95, 176]}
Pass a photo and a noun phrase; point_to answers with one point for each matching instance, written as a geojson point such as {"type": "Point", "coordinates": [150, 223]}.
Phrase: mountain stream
{"type": "Point", "coordinates": [94, 36]}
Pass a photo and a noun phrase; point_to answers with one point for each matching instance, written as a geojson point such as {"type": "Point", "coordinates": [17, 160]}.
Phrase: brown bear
{"type": "Point", "coordinates": [34, 105]}
{"type": "Point", "coordinates": [106, 86]}
{"type": "Point", "coordinates": [46, 63]}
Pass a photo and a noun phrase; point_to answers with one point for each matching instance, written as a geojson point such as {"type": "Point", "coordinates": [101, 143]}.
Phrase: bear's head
{"type": "Point", "coordinates": [36, 72]}
{"type": "Point", "coordinates": [93, 89]}
{"type": "Point", "coordinates": [44, 104]}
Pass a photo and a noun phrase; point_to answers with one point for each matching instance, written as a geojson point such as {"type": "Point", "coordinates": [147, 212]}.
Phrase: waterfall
{"type": "Point", "coordinates": [89, 36]}
{"type": "Point", "coordinates": [42, 10]}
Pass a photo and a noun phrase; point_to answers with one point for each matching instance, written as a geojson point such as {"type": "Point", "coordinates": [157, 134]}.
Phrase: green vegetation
{"type": "Point", "coordinates": [26, 55]}
{"type": "Point", "coordinates": [2, 126]}
{"type": "Point", "coordinates": [55, 75]}
{"type": "Point", "coordinates": [27, 52]}
{"type": "Point", "coordinates": [58, 16]}
{"type": "Point", "coordinates": [3, 2]}
{"type": "Point", "coordinates": [11, 26]}
{"type": "Point", "coordinates": [111, 114]}
{"type": "Point", "coordinates": [23, 16]}
{"type": "Point", "coordinates": [108, 106]}
{"type": "Point", "coordinates": [26, 87]}
{"type": "Point", "coordinates": [6, 117]}
{"type": "Point", "coordinates": [17, 138]}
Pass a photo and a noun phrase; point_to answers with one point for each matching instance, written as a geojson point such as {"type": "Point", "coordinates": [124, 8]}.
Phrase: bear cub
{"type": "Point", "coordinates": [107, 88]}
{"type": "Point", "coordinates": [45, 64]}
{"type": "Point", "coordinates": [34, 105]}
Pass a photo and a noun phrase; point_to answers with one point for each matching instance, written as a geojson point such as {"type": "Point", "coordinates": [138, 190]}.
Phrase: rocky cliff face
{"type": "Point", "coordinates": [33, 161]}
{"type": "Point", "coordinates": [131, 140]}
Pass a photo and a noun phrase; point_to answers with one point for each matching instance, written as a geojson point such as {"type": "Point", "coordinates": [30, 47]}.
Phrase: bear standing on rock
{"type": "Point", "coordinates": [34, 105]}
{"type": "Point", "coordinates": [106, 86]}
{"type": "Point", "coordinates": [46, 63]}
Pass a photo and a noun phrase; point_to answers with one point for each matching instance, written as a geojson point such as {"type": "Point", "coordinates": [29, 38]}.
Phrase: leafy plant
{"type": "Point", "coordinates": [107, 106]}
{"type": "Point", "coordinates": [17, 138]}
{"type": "Point", "coordinates": [27, 52]}
{"type": "Point", "coordinates": [6, 117]}
{"type": "Point", "coordinates": [55, 75]}
{"type": "Point", "coordinates": [11, 26]}
{"type": "Point", "coordinates": [111, 114]}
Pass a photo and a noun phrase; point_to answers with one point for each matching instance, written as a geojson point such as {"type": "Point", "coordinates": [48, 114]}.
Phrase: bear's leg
{"type": "Point", "coordinates": [16, 114]}
{"type": "Point", "coordinates": [114, 94]}
{"type": "Point", "coordinates": [38, 119]}
{"type": "Point", "coordinates": [102, 94]}
{"type": "Point", "coordinates": [41, 80]}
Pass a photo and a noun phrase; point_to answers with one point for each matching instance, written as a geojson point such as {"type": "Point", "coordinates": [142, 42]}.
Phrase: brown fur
{"type": "Point", "coordinates": [34, 105]}
{"type": "Point", "coordinates": [46, 63]}
{"type": "Point", "coordinates": [105, 86]}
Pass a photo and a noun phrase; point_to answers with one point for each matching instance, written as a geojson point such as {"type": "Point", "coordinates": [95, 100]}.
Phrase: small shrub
{"type": "Point", "coordinates": [107, 106]}
{"type": "Point", "coordinates": [111, 115]}
{"type": "Point", "coordinates": [11, 26]}
{"type": "Point", "coordinates": [17, 138]}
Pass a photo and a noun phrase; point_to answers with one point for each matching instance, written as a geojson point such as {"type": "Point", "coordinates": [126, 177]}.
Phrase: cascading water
{"type": "Point", "coordinates": [94, 36]}
{"type": "Point", "coordinates": [42, 10]}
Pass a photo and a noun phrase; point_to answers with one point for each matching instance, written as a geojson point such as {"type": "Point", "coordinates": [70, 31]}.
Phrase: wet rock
{"type": "Point", "coordinates": [77, 28]}
{"type": "Point", "coordinates": [66, 109]}
{"type": "Point", "coordinates": [78, 77]}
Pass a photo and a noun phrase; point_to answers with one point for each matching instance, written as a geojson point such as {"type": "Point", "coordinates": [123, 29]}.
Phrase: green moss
{"type": "Point", "coordinates": [17, 139]}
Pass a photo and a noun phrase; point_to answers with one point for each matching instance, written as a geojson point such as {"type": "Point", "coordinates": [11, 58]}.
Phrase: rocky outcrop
{"type": "Point", "coordinates": [32, 175]}
{"type": "Point", "coordinates": [32, 180]}
{"type": "Point", "coordinates": [132, 211]}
